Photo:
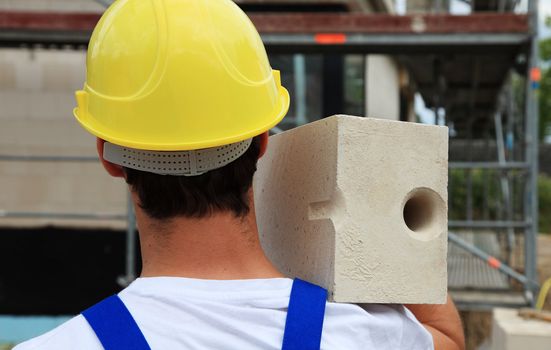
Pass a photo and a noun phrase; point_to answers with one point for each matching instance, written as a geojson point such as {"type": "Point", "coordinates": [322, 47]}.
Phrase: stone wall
{"type": "Point", "coordinates": [36, 99]}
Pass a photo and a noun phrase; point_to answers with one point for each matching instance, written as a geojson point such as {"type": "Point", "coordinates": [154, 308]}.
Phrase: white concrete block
{"type": "Point", "coordinates": [28, 70]}
{"type": "Point", "coordinates": [63, 70]}
{"type": "Point", "coordinates": [511, 332]}
{"type": "Point", "coordinates": [334, 200]}
{"type": "Point", "coordinates": [7, 75]}
{"type": "Point", "coordinates": [14, 104]}
{"type": "Point", "coordinates": [45, 137]}
{"type": "Point", "coordinates": [50, 105]}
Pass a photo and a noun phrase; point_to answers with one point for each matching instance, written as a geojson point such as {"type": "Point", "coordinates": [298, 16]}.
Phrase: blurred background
{"type": "Point", "coordinates": [481, 67]}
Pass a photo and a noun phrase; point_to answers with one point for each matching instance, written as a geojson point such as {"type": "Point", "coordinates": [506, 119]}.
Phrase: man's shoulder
{"type": "Point", "coordinates": [376, 326]}
{"type": "Point", "coordinates": [73, 334]}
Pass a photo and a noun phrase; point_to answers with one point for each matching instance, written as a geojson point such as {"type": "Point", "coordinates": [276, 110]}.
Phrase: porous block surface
{"type": "Point", "coordinates": [512, 332]}
{"type": "Point", "coordinates": [334, 199]}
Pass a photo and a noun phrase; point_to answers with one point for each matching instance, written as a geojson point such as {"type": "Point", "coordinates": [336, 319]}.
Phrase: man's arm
{"type": "Point", "coordinates": [443, 322]}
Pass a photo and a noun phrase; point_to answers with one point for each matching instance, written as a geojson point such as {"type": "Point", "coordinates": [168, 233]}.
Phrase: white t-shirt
{"type": "Point", "coordinates": [180, 313]}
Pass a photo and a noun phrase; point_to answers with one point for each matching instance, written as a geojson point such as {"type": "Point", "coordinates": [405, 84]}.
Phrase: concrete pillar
{"type": "Point", "coordinates": [382, 87]}
{"type": "Point", "coordinates": [511, 332]}
{"type": "Point", "coordinates": [359, 206]}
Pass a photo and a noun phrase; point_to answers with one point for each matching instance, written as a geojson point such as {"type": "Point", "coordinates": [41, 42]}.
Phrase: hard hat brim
{"type": "Point", "coordinates": [96, 128]}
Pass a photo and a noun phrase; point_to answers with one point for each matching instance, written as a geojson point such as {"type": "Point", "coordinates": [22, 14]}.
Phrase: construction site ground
{"type": "Point", "coordinates": [478, 324]}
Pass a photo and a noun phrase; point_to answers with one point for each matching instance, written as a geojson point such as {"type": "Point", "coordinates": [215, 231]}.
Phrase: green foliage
{"type": "Point", "coordinates": [545, 49]}
{"type": "Point", "coordinates": [487, 199]}
{"type": "Point", "coordinates": [545, 86]}
{"type": "Point", "coordinates": [544, 188]}
{"type": "Point", "coordinates": [545, 102]}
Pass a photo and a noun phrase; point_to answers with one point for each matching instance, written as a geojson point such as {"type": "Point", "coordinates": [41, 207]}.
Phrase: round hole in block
{"type": "Point", "coordinates": [425, 214]}
{"type": "Point", "coordinates": [418, 212]}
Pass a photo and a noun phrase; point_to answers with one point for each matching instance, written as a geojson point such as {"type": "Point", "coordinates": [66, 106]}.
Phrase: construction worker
{"type": "Point", "coordinates": [180, 95]}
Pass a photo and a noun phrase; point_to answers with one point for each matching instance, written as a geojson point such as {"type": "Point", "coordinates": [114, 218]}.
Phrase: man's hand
{"type": "Point", "coordinates": [443, 322]}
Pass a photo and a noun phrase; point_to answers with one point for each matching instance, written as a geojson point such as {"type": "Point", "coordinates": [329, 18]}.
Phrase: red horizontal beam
{"type": "Point", "coordinates": [303, 23]}
{"type": "Point", "coordinates": [380, 23]}
{"type": "Point", "coordinates": [48, 21]}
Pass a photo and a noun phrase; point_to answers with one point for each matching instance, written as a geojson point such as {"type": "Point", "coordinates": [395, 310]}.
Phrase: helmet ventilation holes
{"type": "Point", "coordinates": [187, 163]}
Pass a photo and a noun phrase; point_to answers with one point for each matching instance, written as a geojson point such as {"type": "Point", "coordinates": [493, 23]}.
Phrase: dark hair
{"type": "Point", "coordinates": [223, 189]}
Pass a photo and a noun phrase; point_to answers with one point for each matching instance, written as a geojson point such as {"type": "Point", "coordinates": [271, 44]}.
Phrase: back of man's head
{"type": "Point", "coordinates": [220, 190]}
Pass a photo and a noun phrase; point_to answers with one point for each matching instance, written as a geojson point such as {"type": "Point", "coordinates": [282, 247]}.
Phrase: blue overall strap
{"type": "Point", "coordinates": [304, 317]}
{"type": "Point", "coordinates": [114, 325]}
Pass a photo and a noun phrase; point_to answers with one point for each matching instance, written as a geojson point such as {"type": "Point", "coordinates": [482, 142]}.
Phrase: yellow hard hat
{"type": "Point", "coordinates": [169, 75]}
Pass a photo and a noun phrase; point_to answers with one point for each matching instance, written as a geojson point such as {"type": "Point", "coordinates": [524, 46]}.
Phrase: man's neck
{"type": "Point", "coordinates": [219, 247]}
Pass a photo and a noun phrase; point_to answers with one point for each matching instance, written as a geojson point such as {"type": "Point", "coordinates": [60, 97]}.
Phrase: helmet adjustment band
{"type": "Point", "coordinates": [176, 163]}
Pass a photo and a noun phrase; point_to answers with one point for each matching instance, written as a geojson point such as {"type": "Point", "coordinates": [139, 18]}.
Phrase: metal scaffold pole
{"type": "Point", "coordinates": [130, 262]}
{"type": "Point", "coordinates": [531, 194]}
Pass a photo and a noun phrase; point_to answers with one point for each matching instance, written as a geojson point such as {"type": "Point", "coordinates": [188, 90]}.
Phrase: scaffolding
{"type": "Point", "coordinates": [474, 71]}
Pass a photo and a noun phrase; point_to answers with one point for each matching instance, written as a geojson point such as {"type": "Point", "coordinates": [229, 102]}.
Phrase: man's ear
{"type": "Point", "coordinates": [114, 170]}
{"type": "Point", "coordinates": [263, 143]}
